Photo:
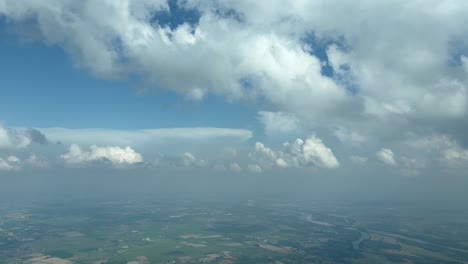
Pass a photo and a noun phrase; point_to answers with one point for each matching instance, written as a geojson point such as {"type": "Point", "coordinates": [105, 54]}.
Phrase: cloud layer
{"type": "Point", "coordinates": [310, 152]}
{"type": "Point", "coordinates": [366, 76]}
{"type": "Point", "coordinates": [117, 156]}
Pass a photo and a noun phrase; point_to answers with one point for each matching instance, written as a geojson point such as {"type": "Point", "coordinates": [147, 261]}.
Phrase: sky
{"type": "Point", "coordinates": [235, 87]}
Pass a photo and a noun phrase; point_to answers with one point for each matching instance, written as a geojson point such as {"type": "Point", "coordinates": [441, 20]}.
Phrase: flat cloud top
{"type": "Point", "coordinates": [143, 136]}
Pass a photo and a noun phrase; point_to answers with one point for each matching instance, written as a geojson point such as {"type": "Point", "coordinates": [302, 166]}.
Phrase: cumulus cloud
{"type": "Point", "coordinates": [10, 163]}
{"type": "Point", "coordinates": [235, 167]}
{"type": "Point", "coordinates": [386, 156]}
{"type": "Point", "coordinates": [189, 160]}
{"type": "Point", "coordinates": [261, 50]}
{"type": "Point", "coordinates": [278, 122]}
{"type": "Point", "coordinates": [36, 136]}
{"type": "Point", "coordinates": [116, 156]}
{"type": "Point", "coordinates": [312, 62]}
{"type": "Point", "coordinates": [300, 153]}
{"type": "Point", "coordinates": [37, 161]}
{"type": "Point", "coordinates": [11, 138]}
{"type": "Point", "coordinates": [184, 160]}
{"type": "Point", "coordinates": [254, 168]}
{"type": "Point", "coordinates": [444, 146]}
{"type": "Point", "coordinates": [4, 138]}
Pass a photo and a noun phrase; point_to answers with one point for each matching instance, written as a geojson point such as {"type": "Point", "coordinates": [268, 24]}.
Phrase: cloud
{"type": "Point", "coordinates": [189, 160]}
{"type": "Point", "coordinates": [312, 63]}
{"type": "Point", "coordinates": [412, 166]}
{"type": "Point", "coordinates": [9, 164]}
{"type": "Point", "coordinates": [36, 161]}
{"type": "Point", "coordinates": [300, 153]}
{"type": "Point", "coordinates": [234, 167]}
{"type": "Point", "coordinates": [348, 136]}
{"type": "Point", "coordinates": [11, 138]}
{"type": "Point", "coordinates": [386, 156]}
{"type": "Point", "coordinates": [444, 146]}
{"type": "Point", "coordinates": [4, 138]}
{"type": "Point", "coordinates": [36, 136]}
{"type": "Point", "coordinates": [116, 156]}
{"type": "Point", "coordinates": [144, 137]}
{"type": "Point", "coordinates": [262, 51]}
{"type": "Point", "coordinates": [184, 160]}
{"type": "Point", "coordinates": [359, 159]}
{"type": "Point", "coordinates": [254, 168]}
{"type": "Point", "coordinates": [278, 122]}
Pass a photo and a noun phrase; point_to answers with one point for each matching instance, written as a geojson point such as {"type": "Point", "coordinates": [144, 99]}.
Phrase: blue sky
{"type": "Point", "coordinates": [236, 86]}
{"type": "Point", "coordinates": [42, 88]}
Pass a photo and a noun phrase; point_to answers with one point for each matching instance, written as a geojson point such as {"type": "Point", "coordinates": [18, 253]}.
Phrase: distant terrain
{"type": "Point", "coordinates": [249, 231]}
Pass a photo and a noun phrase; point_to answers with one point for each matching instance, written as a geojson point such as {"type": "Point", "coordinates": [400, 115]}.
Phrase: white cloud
{"type": "Point", "coordinates": [278, 122]}
{"type": "Point", "coordinates": [386, 156]}
{"type": "Point", "coordinates": [412, 166]}
{"type": "Point", "coordinates": [280, 162]}
{"type": "Point", "coordinates": [12, 138]}
{"type": "Point", "coordinates": [189, 160]}
{"type": "Point", "coordinates": [117, 156]}
{"type": "Point", "coordinates": [316, 152]}
{"type": "Point", "coordinates": [300, 153]}
{"type": "Point", "coordinates": [383, 76]}
{"type": "Point", "coordinates": [397, 69]}
{"type": "Point", "coordinates": [184, 160]}
{"type": "Point", "coordinates": [448, 149]}
{"type": "Point", "coordinates": [348, 136]}
{"type": "Point", "coordinates": [264, 153]}
{"type": "Point", "coordinates": [235, 167]}
{"type": "Point", "coordinates": [10, 163]}
{"type": "Point", "coordinates": [145, 137]}
{"type": "Point", "coordinates": [5, 142]}
{"type": "Point", "coordinates": [254, 168]}
{"type": "Point", "coordinates": [37, 161]}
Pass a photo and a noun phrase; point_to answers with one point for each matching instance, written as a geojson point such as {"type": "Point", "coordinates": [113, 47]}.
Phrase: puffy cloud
{"type": "Point", "coordinates": [235, 167]}
{"type": "Point", "coordinates": [11, 138]}
{"type": "Point", "coordinates": [37, 161]}
{"type": "Point", "coordinates": [263, 154]}
{"type": "Point", "coordinates": [219, 54]}
{"type": "Point", "coordinates": [363, 79]}
{"type": "Point", "coordinates": [267, 49]}
{"type": "Point", "coordinates": [10, 163]}
{"type": "Point", "coordinates": [386, 156]}
{"type": "Point", "coordinates": [278, 122]}
{"type": "Point", "coordinates": [447, 148]}
{"type": "Point", "coordinates": [36, 136]}
{"type": "Point", "coordinates": [184, 160]}
{"type": "Point", "coordinates": [348, 136]}
{"type": "Point", "coordinates": [4, 138]}
{"type": "Point", "coordinates": [254, 168]}
{"type": "Point", "coordinates": [189, 160]}
{"type": "Point", "coordinates": [300, 153]}
{"type": "Point", "coordinates": [280, 162]}
{"type": "Point", "coordinates": [315, 152]}
{"type": "Point", "coordinates": [117, 156]}
{"type": "Point", "coordinates": [412, 166]}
